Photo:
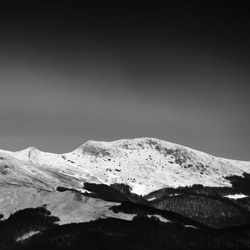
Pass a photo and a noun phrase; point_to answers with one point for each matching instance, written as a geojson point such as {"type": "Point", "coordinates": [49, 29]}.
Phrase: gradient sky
{"type": "Point", "coordinates": [69, 74]}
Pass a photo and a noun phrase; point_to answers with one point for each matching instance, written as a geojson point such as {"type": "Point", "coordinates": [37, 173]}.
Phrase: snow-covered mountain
{"type": "Point", "coordinates": [145, 164]}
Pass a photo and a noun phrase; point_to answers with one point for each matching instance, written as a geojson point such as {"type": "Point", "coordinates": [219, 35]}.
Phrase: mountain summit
{"type": "Point", "coordinates": [144, 164]}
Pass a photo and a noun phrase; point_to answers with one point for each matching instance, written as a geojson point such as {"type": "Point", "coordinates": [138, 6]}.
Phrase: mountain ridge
{"type": "Point", "coordinates": [144, 164]}
{"type": "Point", "coordinates": [106, 143]}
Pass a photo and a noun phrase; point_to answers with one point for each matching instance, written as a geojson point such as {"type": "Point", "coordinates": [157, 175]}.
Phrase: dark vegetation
{"type": "Point", "coordinates": [211, 211]}
{"type": "Point", "coordinates": [194, 189]}
{"type": "Point", "coordinates": [241, 184]}
{"type": "Point", "coordinates": [244, 203]}
{"type": "Point", "coordinates": [203, 204]}
{"type": "Point", "coordinates": [105, 192]}
{"type": "Point", "coordinates": [141, 233]}
{"type": "Point", "coordinates": [144, 210]}
{"type": "Point", "coordinates": [126, 190]}
{"type": "Point", "coordinates": [113, 193]}
{"type": "Point", "coordinates": [63, 189]}
{"type": "Point", "coordinates": [199, 218]}
{"type": "Point", "coordinates": [23, 222]}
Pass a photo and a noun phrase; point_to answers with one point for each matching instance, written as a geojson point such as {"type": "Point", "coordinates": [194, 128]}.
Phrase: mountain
{"type": "Point", "coordinates": [103, 190]}
{"type": "Point", "coordinates": [144, 164]}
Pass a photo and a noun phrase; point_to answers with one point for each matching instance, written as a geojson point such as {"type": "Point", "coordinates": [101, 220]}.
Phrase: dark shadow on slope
{"type": "Point", "coordinates": [212, 211]}
{"type": "Point", "coordinates": [194, 203]}
{"type": "Point", "coordinates": [141, 233]}
{"type": "Point", "coordinates": [204, 204]}
{"type": "Point", "coordinates": [240, 184]}
{"type": "Point", "coordinates": [23, 222]}
{"type": "Point", "coordinates": [100, 191]}
{"type": "Point", "coordinates": [126, 190]}
{"type": "Point", "coordinates": [64, 189]}
{"type": "Point", "coordinates": [194, 189]}
{"type": "Point", "coordinates": [116, 192]}
{"type": "Point", "coordinates": [144, 210]}
{"type": "Point", "coordinates": [243, 202]}
{"type": "Point", "coordinates": [105, 192]}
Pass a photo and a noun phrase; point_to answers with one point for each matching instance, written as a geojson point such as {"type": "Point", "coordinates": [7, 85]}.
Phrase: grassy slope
{"type": "Point", "coordinates": [68, 206]}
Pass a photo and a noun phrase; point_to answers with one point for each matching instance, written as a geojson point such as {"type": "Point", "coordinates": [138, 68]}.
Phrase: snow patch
{"type": "Point", "coordinates": [151, 199]}
{"type": "Point", "coordinates": [190, 226]}
{"type": "Point", "coordinates": [236, 196]}
{"type": "Point", "coordinates": [139, 189]}
{"type": "Point", "coordinates": [27, 235]}
{"type": "Point", "coordinates": [162, 219]}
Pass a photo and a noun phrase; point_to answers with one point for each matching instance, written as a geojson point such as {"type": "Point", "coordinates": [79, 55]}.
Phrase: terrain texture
{"type": "Point", "coordinates": [141, 193]}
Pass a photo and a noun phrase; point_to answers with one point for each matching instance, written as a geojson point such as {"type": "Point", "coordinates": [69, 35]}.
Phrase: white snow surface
{"type": "Point", "coordinates": [145, 164]}
{"type": "Point", "coordinates": [236, 196]}
{"type": "Point", "coordinates": [27, 235]}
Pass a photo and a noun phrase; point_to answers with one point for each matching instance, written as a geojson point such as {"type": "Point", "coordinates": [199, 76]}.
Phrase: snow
{"type": "Point", "coordinates": [162, 219]}
{"type": "Point", "coordinates": [5, 152]}
{"type": "Point", "coordinates": [27, 235]}
{"type": "Point", "coordinates": [236, 196]}
{"type": "Point", "coordinates": [139, 189]}
{"type": "Point", "coordinates": [144, 164]}
{"type": "Point", "coordinates": [190, 226]}
{"type": "Point", "coordinates": [151, 199]}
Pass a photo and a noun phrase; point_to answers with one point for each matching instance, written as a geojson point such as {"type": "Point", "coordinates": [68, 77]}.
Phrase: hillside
{"type": "Point", "coordinates": [144, 164]}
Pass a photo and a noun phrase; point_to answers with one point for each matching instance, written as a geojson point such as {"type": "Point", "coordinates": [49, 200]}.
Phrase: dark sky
{"type": "Point", "coordinates": [180, 73]}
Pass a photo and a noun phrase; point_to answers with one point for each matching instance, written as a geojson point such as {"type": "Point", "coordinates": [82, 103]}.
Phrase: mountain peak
{"type": "Point", "coordinates": [134, 141]}
{"type": "Point", "coordinates": [27, 153]}
{"type": "Point", "coordinates": [29, 149]}
{"type": "Point", "coordinates": [96, 148]}
{"type": "Point", "coordinates": [145, 164]}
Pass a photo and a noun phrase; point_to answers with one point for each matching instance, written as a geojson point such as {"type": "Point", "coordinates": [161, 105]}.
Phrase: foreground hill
{"type": "Point", "coordinates": [36, 229]}
{"type": "Point", "coordinates": [69, 206]}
